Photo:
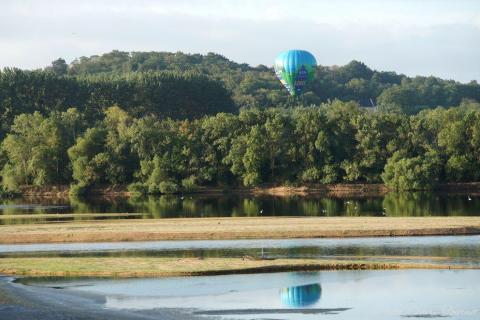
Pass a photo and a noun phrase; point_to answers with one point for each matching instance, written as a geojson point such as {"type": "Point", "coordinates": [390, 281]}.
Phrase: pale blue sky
{"type": "Point", "coordinates": [414, 37]}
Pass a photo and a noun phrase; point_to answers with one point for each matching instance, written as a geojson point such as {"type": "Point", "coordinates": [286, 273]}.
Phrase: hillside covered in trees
{"type": "Point", "coordinates": [168, 122]}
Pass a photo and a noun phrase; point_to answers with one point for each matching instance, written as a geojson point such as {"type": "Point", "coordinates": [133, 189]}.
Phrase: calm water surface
{"type": "Point", "coordinates": [461, 250]}
{"type": "Point", "coordinates": [392, 204]}
{"type": "Point", "coordinates": [399, 294]}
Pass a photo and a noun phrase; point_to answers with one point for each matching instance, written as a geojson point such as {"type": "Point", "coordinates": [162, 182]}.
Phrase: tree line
{"type": "Point", "coordinates": [258, 87]}
{"type": "Point", "coordinates": [335, 142]}
{"type": "Point", "coordinates": [166, 94]}
{"type": "Point", "coordinates": [179, 86]}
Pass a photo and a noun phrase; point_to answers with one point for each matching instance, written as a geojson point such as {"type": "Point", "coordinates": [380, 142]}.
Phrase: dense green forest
{"type": "Point", "coordinates": [330, 143]}
{"type": "Point", "coordinates": [170, 122]}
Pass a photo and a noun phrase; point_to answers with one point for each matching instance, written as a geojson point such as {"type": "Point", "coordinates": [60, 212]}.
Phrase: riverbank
{"type": "Point", "coordinates": [124, 267]}
{"type": "Point", "coordinates": [333, 190]}
{"type": "Point", "coordinates": [311, 189]}
{"type": "Point", "coordinates": [237, 228]}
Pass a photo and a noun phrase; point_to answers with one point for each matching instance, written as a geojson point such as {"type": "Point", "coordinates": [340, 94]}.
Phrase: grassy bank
{"type": "Point", "coordinates": [237, 228]}
{"type": "Point", "coordinates": [163, 267]}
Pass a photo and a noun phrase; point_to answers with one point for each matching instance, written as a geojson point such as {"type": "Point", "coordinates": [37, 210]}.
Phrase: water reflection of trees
{"type": "Point", "coordinates": [421, 204]}
{"type": "Point", "coordinates": [171, 206]}
{"type": "Point", "coordinates": [80, 204]}
{"type": "Point", "coordinates": [463, 254]}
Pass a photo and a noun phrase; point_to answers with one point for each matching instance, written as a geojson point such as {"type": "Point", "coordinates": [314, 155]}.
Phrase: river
{"type": "Point", "coordinates": [24, 210]}
{"type": "Point", "coordinates": [366, 294]}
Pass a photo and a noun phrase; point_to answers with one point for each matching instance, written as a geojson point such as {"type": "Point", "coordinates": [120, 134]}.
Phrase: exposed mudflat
{"type": "Point", "coordinates": [238, 228]}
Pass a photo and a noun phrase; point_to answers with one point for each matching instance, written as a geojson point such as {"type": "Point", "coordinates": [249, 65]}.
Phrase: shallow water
{"type": "Point", "coordinates": [460, 250]}
{"type": "Point", "coordinates": [392, 204]}
{"type": "Point", "coordinates": [397, 294]}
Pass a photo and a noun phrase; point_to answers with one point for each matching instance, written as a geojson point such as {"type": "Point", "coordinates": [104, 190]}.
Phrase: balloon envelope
{"type": "Point", "coordinates": [294, 68]}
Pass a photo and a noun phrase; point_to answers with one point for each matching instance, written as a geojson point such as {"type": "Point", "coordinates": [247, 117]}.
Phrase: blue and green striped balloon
{"type": "Point", "coordinates": [294, 68]}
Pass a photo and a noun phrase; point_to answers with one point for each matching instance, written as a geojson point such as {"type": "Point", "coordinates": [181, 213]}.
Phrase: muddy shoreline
{"type": "Point", "coordinates": [237, 228]}
{"type": "Point", "coordinates": [333, 190]}
{"type": "Point", "coordinates": [317, 189]}
{"type": "Point", "coordinates": [189, 267]}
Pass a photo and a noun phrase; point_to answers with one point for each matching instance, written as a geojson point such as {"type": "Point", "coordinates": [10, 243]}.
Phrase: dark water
{"type": "Point", "coordinates": [457, 250]}
{"type": "Point", "coordinates": [399, 294]}
{"type": "Point", "coordinates": [392, 204]}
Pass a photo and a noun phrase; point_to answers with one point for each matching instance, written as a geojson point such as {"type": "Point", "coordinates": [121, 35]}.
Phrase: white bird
{"type": "Point", "coordinates": [182, 197]}
{"type": "Point", "coordinates": [347, 202]}
{"type": "Point", "coordinates": [469, 199]}
{"type": "Point", "coordinates": [261, 211]}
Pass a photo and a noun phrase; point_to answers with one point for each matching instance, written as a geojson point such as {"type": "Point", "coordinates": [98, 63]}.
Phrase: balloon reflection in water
{"type": "Point", "coordinates": [301, 296]}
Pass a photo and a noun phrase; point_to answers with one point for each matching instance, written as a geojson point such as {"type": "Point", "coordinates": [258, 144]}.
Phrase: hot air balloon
{"type": "Point", "coordinates": [301, 296]}
{"type": "Point", "coordinates": [294, 68]}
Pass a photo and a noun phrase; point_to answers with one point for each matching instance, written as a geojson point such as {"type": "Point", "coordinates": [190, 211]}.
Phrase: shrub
{"type": "Point", "coordinates": [78, 189]}
{"type": "Point", "coordinates": [415, 173]}
{"type": "Point", "coordinates": [352, 171]}
{"type": "Point", "coordinates": [11, 180]}
{"type": "Point", "coordinates": [168, 187]}
{"type": "Point", "coordinates": [251, 179]}
{"type": "Point", "coordinates": [459, 168]}
{"type": "Point", "coordinates": [137, 188]}
{"type": "Point", "coordinates": [330, 173]}
{"type": "Point", "coordinates": [311, 175]}
{"type": "Point", "coordinates": [189, 184]}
